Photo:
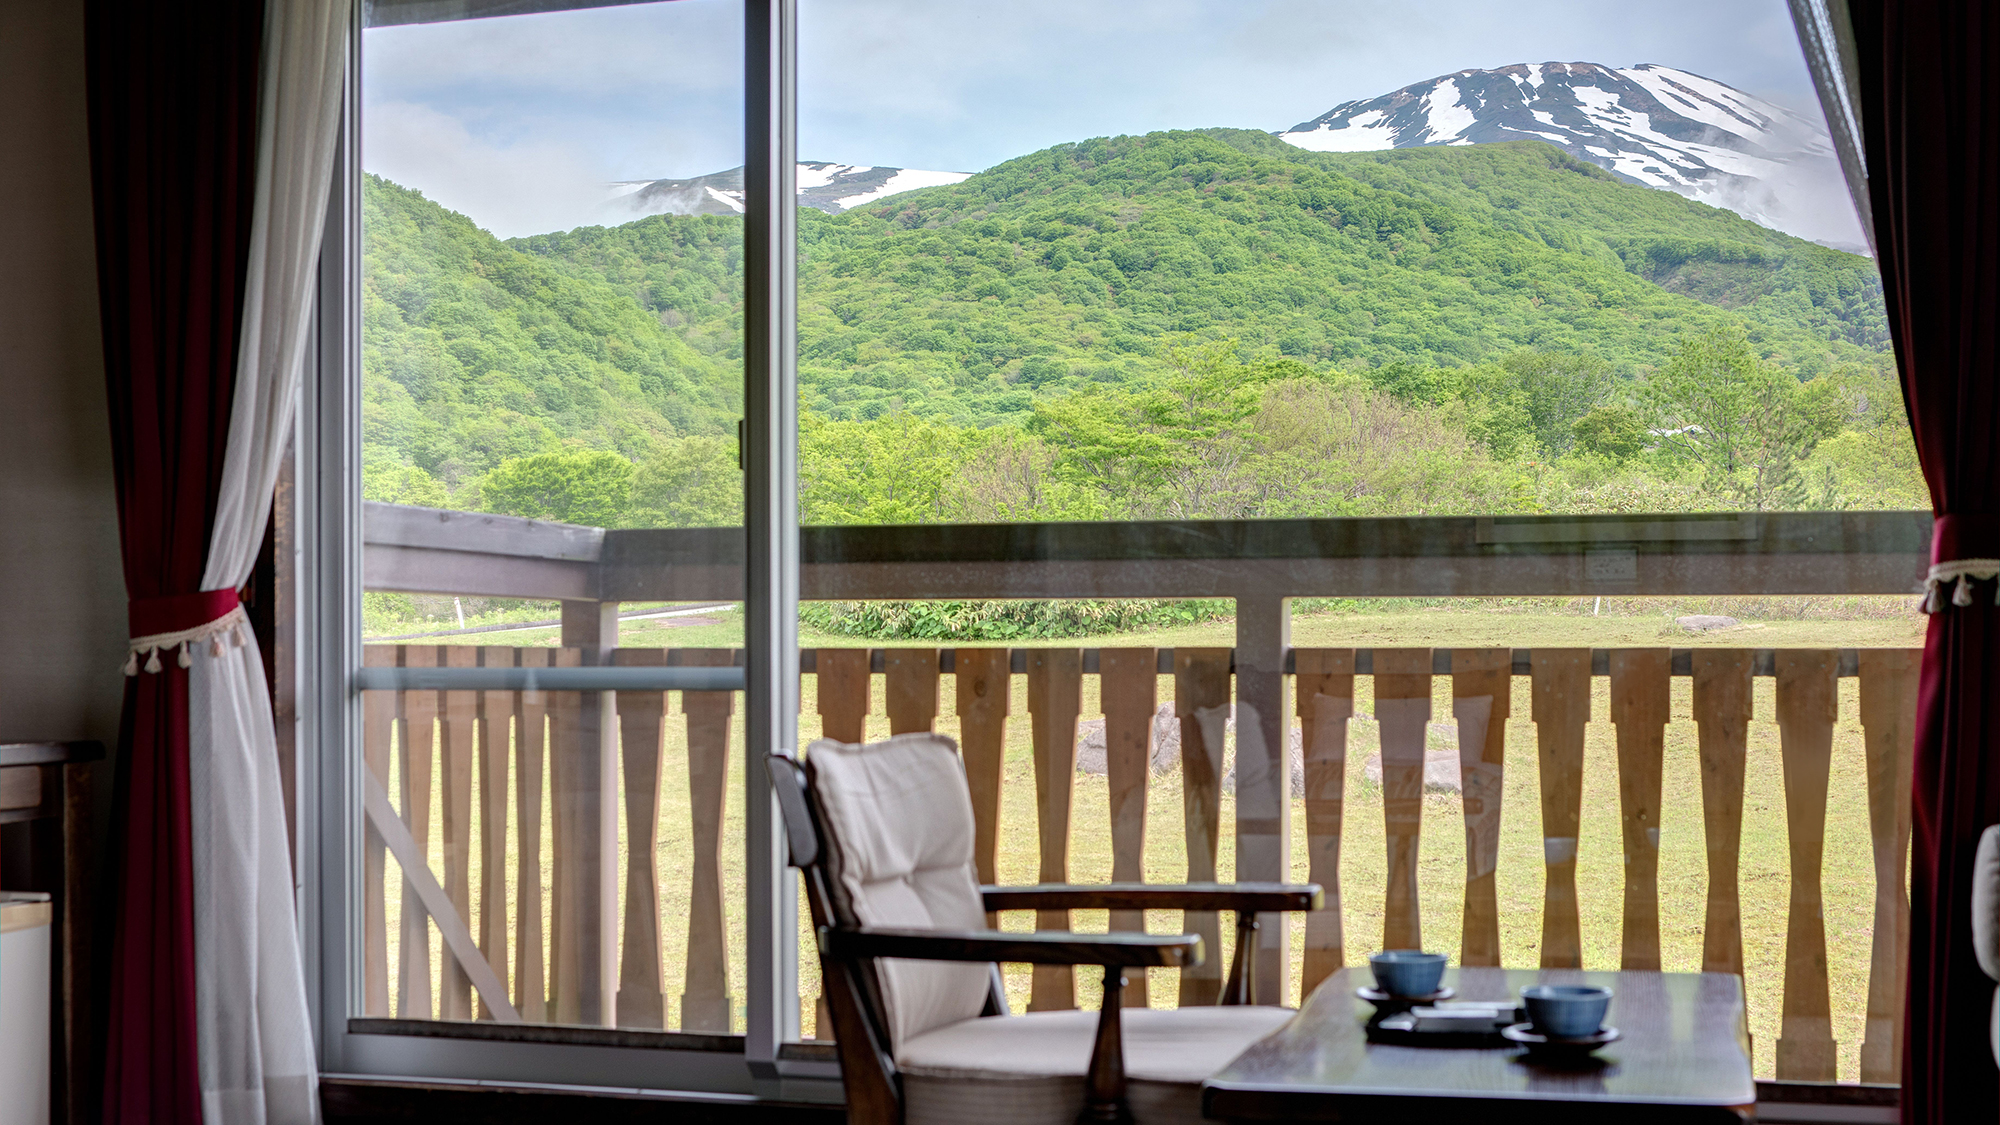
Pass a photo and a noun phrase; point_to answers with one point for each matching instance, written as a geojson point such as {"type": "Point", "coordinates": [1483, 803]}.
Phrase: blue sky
{"type": "Point", "coordinates": [518, 122]}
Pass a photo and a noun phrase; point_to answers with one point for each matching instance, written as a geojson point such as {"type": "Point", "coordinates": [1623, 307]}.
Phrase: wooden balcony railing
{"type": "Point", "coordinates": [567, 790]}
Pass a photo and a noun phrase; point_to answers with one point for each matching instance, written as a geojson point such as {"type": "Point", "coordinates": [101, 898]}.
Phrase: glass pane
{"type": "Point", "coordinates": [1368, 382]}
{"type": "Point", "coordinates": [552, 378]}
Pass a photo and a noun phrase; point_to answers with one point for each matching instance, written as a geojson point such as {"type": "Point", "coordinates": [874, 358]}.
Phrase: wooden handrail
{"type": "Point", "coordinates": [425, 550]}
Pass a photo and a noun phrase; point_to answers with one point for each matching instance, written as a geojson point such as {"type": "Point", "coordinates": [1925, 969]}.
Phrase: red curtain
{"type": "Point", "coordinates": [1931, 121]}
{"type": "Point", "coordinates": [173, 135]}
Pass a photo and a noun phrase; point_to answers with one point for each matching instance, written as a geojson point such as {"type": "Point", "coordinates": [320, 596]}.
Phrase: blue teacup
{"type": "Point", "coordinates": [1407, 972]}
{"type": "Point", "coordinates": [1566, 1011]}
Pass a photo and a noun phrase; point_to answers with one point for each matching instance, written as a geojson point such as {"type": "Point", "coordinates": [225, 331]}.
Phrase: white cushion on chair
{"type": "Point", "coordinates": [898, 828]}
{"type": "Point", "coordinates": [1022, 1070]}
{"type": "Point", "coordinates": [1986, 918]}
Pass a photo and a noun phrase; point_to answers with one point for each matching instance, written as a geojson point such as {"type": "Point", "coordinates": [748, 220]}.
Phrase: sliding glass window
{"type": "Point", "coordinates": [560, 655]}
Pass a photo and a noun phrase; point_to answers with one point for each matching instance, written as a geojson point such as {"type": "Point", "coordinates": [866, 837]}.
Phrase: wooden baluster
{"type": "Point", "coordinates": [706, 1004]}
{"type": "Point", "coordinates": [1403, 709]}
{"type": "Point", "coordinates": [1482, 685]}
{"type": "Point", "coordinates": [642, 730]}
{"type": "Point", "coordinates": [910, 688]}
{"type": "Point", "coordinates": [1055, 699]}
{"type": "Point", "coordinates": [378, 734]}
{"type": "Point", "coordinates": [1889, 724]}
{"type": "Point", "coordinates": [840, 688]}
{"type": "Point", "coordinates": [1722, 712]}
{"type": "Point", "coordinates": [1201, 701]}
{"type": "Point", "coordinates": [531, 989]}
{"type": "Point", "coordinates": [568, 888]}
{"type": "Point", "coordinates": [841, 682]}
{"type": "Point", "coordinates": [1807, 699]}
{"type": "Point", "coordinates": [1639, 708]}
{"type": "Point", "coordinates": [461, 730]}
{"type": "Point", "coordinates": [1325, 703]}
{"type": "Point", "coordinates": [1560, 685]}
{"type": "Point", "coordinates": [496, 736]}
{"type": "Point", "coordinates": [1128, 688]}
{"type": "Point", "coordinates": [984, 691]}
{"type": "Point", "coordinates": [420, 712]}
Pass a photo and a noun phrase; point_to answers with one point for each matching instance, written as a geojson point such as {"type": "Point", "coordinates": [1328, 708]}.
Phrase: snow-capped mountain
{"type": "Point", "coordinates": [1649, 124]}
{"type": "Point", "coordinates": [832, 188]}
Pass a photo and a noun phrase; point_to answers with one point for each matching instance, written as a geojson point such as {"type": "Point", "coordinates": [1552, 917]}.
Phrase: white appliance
{"type": "Point", "coordinates": [25, 944]}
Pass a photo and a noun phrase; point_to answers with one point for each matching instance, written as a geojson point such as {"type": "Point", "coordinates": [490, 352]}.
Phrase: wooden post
{"type": "Point", "coordinates": [910, 688]}
{"type": "Point", "coordinates": [1201, 701]}
{"type": "Point", "coordinates": [1482, 684]}
{"type": "Point", "coordinates": [1128, 690]}
{"type": "Point", "coordinates": [1403, 709]}
{"type": "Point", "coordinates": [706, 1003]}
{"type": "Point", "coordinates": [461, 730]}
{"type": "Point", "coordinates": [1055, 698]}
{"type": "Point", "coordinates": [586, 797]}
{"type": "Point", "coordinates": [1807, 700]}
{"type": "Point", "coordinates": [531, 988]}
{"type": "Point", "coordinates": [1264, 771]}
{"type": "Point", "coordinates": [983, 678]}
{"type": "Point", "coordinates": [642, 727]}
{"type": "Point", "coordinates": [1325, 700]}
{"type": "Point", "coordinates": [1722, 702]}
{"type": "Point", "coordinates": [378, 736]}
{"type": "Point", "coordinates": [1889, 725]}
{"type": "Point", "coordinates": [1560, 679]}
{"type": "Point", "coordinates": [420, 710]}
{"type": "Point", "coordinates": [841, 684]}
{"type": "Point", "coordinates": [1639, 706]}
{"type": "Point", "coordinates": [496, 736]}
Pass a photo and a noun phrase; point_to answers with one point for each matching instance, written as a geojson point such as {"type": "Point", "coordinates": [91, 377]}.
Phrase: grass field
{"type": "Point", "coordinates": [1848, 873]}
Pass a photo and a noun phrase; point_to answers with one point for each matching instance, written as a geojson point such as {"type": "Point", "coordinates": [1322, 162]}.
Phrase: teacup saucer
{"type": "Point", "coordinates": [1573, 1047]}
{"type": "Point", "coordinates": [1382, 999]}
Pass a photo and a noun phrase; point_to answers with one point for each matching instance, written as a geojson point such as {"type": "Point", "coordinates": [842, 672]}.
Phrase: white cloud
{"type": "Point", "coordinates": [537, 184]}
{"type": "Point", "coordinates": [518, 121]}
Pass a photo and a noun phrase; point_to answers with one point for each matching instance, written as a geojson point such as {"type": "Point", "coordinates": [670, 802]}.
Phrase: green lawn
{"type": "Point", "coordinates": [1848, 878]}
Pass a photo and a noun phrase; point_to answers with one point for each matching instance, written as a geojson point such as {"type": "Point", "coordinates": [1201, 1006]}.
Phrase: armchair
{"type": "Point", "coordinates": [882, 835]}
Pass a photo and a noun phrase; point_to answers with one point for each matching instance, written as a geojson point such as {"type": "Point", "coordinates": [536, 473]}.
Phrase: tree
{"type": "Point", "coordinates": [1747, 424]}
{"type": "Point", "coordinates": [689, 482]}
{"type": "Point", "coordinates": [590, 488]}
{"type": "Point", "coordinates": [1557, 388]}
{"type": "Point", "coordinates": [1613, 432]}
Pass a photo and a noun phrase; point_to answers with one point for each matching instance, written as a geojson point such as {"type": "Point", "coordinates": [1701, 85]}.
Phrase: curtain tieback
{"type": "Point", "coordinates": [183, 620]}
{"type": "Point", "coordinates": [1964, 547]}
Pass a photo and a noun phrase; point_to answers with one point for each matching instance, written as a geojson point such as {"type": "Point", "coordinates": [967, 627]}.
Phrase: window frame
{"type": "Point", "coordinates": [329, 569]}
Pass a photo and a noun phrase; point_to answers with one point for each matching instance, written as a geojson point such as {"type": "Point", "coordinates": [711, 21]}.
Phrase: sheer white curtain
{"type": "Point", "coordinates": [255, 1036]}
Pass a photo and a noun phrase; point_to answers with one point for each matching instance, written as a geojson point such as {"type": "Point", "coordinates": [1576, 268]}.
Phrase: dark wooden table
{"type": "Point", "coordinates": [1684, 1057]}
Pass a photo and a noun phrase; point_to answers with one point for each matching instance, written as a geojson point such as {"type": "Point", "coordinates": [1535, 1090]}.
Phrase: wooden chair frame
{"type": "Point", "coordinates": [847, 955]}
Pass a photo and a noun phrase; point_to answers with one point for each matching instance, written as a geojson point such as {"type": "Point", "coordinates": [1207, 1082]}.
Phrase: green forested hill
{"type": "Point", "coordinates": [1074, 265]}
{"type": "Point", "coordinates": [1156, 325]}
{"type": "Point", "coordinates": [474, 352]}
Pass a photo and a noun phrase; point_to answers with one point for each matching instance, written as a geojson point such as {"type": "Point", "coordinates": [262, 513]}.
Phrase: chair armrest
{"type": "Point", "coordinates": [1245, 897]}
{"type": "Point", "coordinates": [1050, 948]}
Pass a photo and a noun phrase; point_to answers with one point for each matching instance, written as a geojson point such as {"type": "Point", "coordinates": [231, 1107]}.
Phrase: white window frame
{"type": "Point", "coordinates": [329, 577]}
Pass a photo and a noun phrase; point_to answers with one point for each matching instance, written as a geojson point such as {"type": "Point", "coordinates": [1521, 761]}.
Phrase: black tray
{"type": "Point", "coordinates": [1397, 1028]}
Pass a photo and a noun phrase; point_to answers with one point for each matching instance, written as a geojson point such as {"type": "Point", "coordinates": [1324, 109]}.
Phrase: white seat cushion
{"type": "Point", "coordinates": [1022, 1070]}
{"type": "Point", "coordinates": [898, 835]}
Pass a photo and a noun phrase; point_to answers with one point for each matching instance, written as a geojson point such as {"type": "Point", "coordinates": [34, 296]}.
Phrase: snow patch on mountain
{"type": "Point", "coordinates": [831, 188]}
{"type": "Point", "coordinates": [1649, 124]}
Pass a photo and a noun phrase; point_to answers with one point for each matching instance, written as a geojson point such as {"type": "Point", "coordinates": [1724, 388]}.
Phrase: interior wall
{"type": "Point", "coordinates": [62, 594]}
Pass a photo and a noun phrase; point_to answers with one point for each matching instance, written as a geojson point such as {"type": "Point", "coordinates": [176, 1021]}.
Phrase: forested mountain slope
{"type": "Point", "coordinates": [473, 352]}
{"type": "Point", "coordinates": [1075, 264]}
{"type": "Point", "coordinates": [1050, 296]}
